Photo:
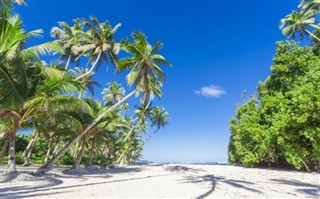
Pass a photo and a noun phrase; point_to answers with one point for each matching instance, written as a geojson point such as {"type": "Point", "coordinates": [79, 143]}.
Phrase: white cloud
{"type": "Point", "coordinates": [211, 91]}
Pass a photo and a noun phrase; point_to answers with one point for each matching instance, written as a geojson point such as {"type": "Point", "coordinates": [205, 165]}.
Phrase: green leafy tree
{"type": "Point", "coordinates": [280, 123]}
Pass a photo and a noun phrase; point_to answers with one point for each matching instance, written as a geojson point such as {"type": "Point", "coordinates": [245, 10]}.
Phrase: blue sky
{"type": "Point", "coordinates": [217, 48]}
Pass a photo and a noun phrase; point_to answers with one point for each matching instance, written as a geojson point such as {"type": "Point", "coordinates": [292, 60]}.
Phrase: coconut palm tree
{"type": "Point", "coordinates": [15, 71]}
{"type": "Point", "coordinates": [70, 40]}
{"type": "Point", "coordinates": [310, 4]}
{"type": "Point", "coordinates": [145, 66]}
{"type": "Point", "coordinates": [159, 119]}
{"type": "Point", "coordinates": [99, 43]}
{"type": "Point", "coordinates": [299, 22]}
{"type": "Point", "coordinates": [87, 81]}
{"type": "Point", "coordinates": [113, 93]}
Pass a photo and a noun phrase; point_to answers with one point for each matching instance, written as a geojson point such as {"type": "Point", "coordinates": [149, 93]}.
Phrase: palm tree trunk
{"type": "Point", "coordinates": [27, 152]}
{"type": "Point", "coordinates": [91, 154]}
{"type": "Point", "coordinates": [131, 130]}
{"type": "Point", "coordinates": [12, 150]}
{"type": "Point", "coordinates": [127, 136]}
{"type": "Point", "coordinates": [4, 149]}
{"type": "Point", "coordinates": [50, 163]}
{"type": "Point", "coordinates": [56, 148]}
{"type": "Point", "coordinates": [310, 33]}
{"type": "Point", "coordinates": [49, 151]}
{"type": "Point", "coordinates": [68, 62]}
{"type": "Point", "coordinates": [149, 137]}
{"type": "Point", "coordinates": [91, 69]}
{"type": "Point", "coordinates": [80, 155]}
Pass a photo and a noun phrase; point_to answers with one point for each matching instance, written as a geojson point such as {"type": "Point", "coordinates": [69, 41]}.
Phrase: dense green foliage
{"type": "Point", "coordinates": [68, 126]}
{"type": "Point", "coordinates": [281, 122]}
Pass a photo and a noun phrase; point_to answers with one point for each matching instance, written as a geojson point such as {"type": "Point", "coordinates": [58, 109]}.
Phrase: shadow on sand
{"type": "Point", "coordinates": [182, 169]}
{"type": "Point", "coordinates": [210, 181]}
{"type": "Point", "coordinates": [307, 188]}
{"type": "Point", "coordinates": [53, 183]}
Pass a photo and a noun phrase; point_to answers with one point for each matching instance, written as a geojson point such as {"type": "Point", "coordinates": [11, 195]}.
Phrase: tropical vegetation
{"type": "Point", "coordinates": [280, 123]}
{"type": "Point", "coordinates": [68, 126]}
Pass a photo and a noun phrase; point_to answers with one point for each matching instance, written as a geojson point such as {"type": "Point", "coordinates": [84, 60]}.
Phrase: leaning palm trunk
{"type": "Point", "coordinates": [92, 67]}
{"type": "Point", "coordinates": [49, 151]}
{"type": "Point", "coordinates": [312, 35]}
{"type": "Point", "coordinates": [50, 163]}
{"type": "Point", "coordinates": [28, 151]}
{"type": "Point", "coordinates": [127, 137]}
{"type": "Point", "coordinates": [92, 152]}
{"type": "Point", "coordinates": [68, 62]}
{"type": "Point", "coordinates": [150, 136]}
{"type": "Point", "coordinates": [80, 155]}
{"type": "Point", "coordinates": [4, 148]}
{"type": "Point", "coordinates": [12, 150]}
{"type": "Point", "coordinates": [56, 148]}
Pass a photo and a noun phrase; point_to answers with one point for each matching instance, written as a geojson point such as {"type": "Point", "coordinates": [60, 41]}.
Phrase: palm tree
{"type": "Point", "coordinates": [99, 43]}
{"type": "Point", "coordinates": [14, 71]}
{"type": "Point", "coordinates": [113, 93]}
{"type": "Point", "coordinates": [28, 151]}
{"type": "Point", "coordinates": [310, 4]}
{"type": "Point", "coordinates": [70, 40]}
{"type": "Point", "coordinates": [145, 65]}
{"type": "Point", "coordinates": [299, 22]}
{"type": "Point", "coordinates": [87, 82]}
{"type": "Point", "coordinates": [159, 119]}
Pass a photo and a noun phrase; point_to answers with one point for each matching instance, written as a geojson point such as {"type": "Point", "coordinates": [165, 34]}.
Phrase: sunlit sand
{"type": "Point", "coordinates": [161, 181]}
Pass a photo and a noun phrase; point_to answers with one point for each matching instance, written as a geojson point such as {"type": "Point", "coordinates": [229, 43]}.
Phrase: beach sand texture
{"type": "Point", "coordinates": [161, 181]}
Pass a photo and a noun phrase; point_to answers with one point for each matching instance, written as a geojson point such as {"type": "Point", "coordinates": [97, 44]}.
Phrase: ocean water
{"type": "Point", "coordinates": [194, 163]}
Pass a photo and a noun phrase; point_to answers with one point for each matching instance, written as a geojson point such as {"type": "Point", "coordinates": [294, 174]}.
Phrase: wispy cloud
{"type": "Point", "coordinates": [211, 91]}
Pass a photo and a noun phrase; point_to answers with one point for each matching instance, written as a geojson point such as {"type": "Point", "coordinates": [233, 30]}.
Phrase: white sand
{"type": "Point", "coordinates": [163, 181]}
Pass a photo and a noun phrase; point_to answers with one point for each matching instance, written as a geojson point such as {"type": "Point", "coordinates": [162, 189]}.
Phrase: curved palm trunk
{"type": "Point", "coordinates": [28, 151]}
{"type": "Point", "coordinates": [315, 37]}
{"type": "Point", "coordinates": [12, 150]}
{"type": "Point", "coordinates": [50, 163]}
{"type": "Point", "coordinates": [150, 136]}
{"type": "Point", "coordinates": [91, 69]}
{"type": "Point", "coordinates": [80, 155]}
{"type": "Point", "coordinates": [4, 149]}
{"type": "Point", "coordinates": [92, 152]}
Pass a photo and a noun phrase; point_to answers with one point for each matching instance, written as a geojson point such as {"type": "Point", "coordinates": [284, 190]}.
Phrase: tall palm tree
{"type": "Point", "coordinates": [99, 43]}
{"type": "Point", "coordinates": [113, 93]}
{"type": "Point", "coordinates": [299, 22]}
{"type": "Point", "coordinates": [159, 119]}
{"type": "Point", "coordinates": [145, 64]}
{"type": "Point", "coordinates": [70, 40]}
{"type": "Point", "coordinates": [15, 71]}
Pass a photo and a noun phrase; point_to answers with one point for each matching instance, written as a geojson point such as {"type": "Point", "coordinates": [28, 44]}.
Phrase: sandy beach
{"type": "Point", "coordinates": [161, 181]}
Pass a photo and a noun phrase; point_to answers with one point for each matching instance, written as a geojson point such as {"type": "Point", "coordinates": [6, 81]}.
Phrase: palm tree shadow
{"type": "Point", "coordinates": [21, 191]}
{"type": "Point", "coordinates": [307, 188]}
{"type": "Point", "coordinates": [182, 169]}
{"type": "Point", "coordinates": [51, 185]}
{"type": "Point", "coordinates": [203, 179]}
{"type": "Point", "coordinates": [212, 181]}
{"type": "Point", "coordinates": [100, 171]}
